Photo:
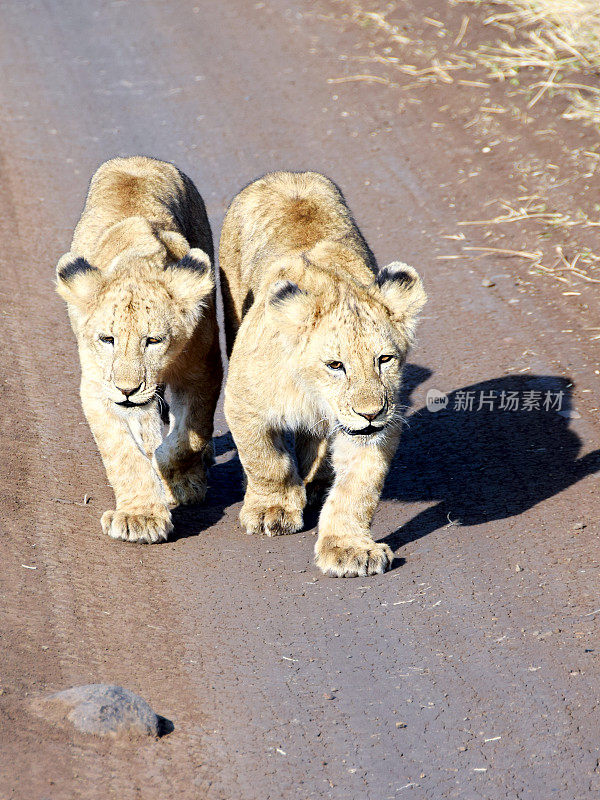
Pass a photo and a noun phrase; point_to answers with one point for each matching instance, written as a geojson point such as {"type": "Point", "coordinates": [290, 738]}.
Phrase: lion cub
{"type": "Point", "coordinates": [140, 289]}
{"type": "Point", "coordinates": [317, 339]}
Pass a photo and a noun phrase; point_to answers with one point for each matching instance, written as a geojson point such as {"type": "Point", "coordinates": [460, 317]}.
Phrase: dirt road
{"type": "Point", "coordinates": [471, 669]}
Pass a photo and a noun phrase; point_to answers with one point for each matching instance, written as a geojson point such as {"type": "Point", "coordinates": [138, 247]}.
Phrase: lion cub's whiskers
{"type": "Point", "coordinates": [162, 404]}
{"type": "Point", "coordinates": [398, 416]}
{"type": "Point", "coordinates": [312, 427]}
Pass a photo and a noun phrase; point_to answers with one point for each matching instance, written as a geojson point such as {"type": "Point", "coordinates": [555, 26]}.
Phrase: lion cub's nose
{"type": "Point", "coordinates": [129, 390]}
{"type": "Point", "coordinates": [369, 414]}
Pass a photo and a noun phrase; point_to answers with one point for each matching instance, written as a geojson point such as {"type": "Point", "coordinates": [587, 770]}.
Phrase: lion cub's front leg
{"type": "Point", "coordinates": [141, 513]}
{"type": "Point", "coordinates": [345, 547]}
{"type": "Point", "coordinates": [184, 457]}
{"type": "Point", "coordinates": [275, 496]}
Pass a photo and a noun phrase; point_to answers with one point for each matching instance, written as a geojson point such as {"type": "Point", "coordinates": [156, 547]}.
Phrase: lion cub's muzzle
{"type": "Point", "coordinates": [134, 396]}
{"type": "Point", "coordinates": [132, 404]}
{"type": "Point", "coordinates": [376, 418]}
{"type": "Point", "coordinates": [369, 430]}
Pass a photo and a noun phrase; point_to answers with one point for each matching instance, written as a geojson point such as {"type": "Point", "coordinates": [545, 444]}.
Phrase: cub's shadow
{"type": "Point", "coordinates": [486, 463]}
{"type": "Point", "coordinates": [473, 465]}
{"type": "Point", "coordinates": [224, 489]}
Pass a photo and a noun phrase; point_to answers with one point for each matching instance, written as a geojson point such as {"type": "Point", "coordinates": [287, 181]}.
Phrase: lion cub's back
{"type": "Point", "coordinates": [283, 213]}
{"type": "Point", "coordinates": [286, 212]}
{"type": "Point", "coordinates": [139, 186]}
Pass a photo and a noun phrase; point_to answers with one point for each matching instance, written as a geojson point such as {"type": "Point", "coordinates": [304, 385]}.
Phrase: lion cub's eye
{"type": "Point", "coordinates": [385, 359]}
{"type": "Point", "coordinates": [335, 365]}
{"type": "Point", "coordinates": [107, 339]}
{"type": "Point", "coordinates": [154, 340]}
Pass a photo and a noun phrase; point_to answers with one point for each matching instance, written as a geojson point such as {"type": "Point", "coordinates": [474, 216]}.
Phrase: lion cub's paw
{"type": "Point", "coordinates": [272, 520]}
{"type": "Point", "coordinates": [185, 488]}
{"type": "Point", "coordinates": [132, 527]}
{"type": "Point", "coordinates": [349, 559]}
{"type": "Point", "coordinates": [182, 486]}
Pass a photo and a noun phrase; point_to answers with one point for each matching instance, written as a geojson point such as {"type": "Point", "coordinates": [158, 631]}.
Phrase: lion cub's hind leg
{"type": "Point", "coordinates": [314, 465]}
{"type": "Point", "coordinates": [184, 457]}
{"type": "Point", "coordinates": [185, 481]}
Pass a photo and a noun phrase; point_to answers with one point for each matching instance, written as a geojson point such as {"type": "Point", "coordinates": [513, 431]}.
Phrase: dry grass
{"type": "Point", "coordinates": [542, 49]}
{"type": "Point", "coordinates": [555, 40]}
{"type": "Point", "coordinates": [379, 21]}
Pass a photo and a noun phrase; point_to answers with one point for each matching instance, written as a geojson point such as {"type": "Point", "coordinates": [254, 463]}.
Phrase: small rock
{"type": "Point", "coordinates": [569, 413]}
{"type": "Point", "coordinates": [579, 526]}
{"type": "Point", "coordinates": [105, 709]}
{"type": "Point", "coordinates": [518, 568]}
{"type": "Point", "coordinates": [488, 282]}
{"type": "Point", "coordinates": [401, 724]}
{"type": "Point", "coordinates": [328, 696]}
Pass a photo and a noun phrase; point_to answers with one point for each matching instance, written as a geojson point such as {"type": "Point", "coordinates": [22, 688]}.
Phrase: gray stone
{"type": "Point", "coordinates": [488, 282]}
{"type": "Point", "coordinates": [569, 413]}
{"type": "Point", "coordinates": [103, 708]}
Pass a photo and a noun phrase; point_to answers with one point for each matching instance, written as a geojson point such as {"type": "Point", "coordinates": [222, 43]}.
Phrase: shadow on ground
{"type": "Point", "coordinates": [486, 463]}
{"type": "Point", "coordinates": [224, 489]}
{"type": "Point", "coordinates": [474, 465]}
{"type": "Point", "coordinates": [165, 726]}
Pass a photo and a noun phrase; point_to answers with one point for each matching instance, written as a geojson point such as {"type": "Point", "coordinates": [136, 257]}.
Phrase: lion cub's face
{"type": "Point", "coordinates": [133, 323]}
{"type": "Point", "coordinates": [350, 348]}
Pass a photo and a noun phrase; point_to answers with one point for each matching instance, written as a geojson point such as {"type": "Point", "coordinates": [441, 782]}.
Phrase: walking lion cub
{"type": "Point", "coordinates": [317, 339]}
{"type": "Point", "coordinates": [140, 289]}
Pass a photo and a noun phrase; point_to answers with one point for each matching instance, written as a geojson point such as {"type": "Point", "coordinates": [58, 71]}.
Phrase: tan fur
{"type": "Point", "coordinates": [301, 292]}
{"type": "Point", "coordinates": [140, 267]}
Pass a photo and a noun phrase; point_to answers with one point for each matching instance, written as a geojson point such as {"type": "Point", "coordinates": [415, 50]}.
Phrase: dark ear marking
{"type": "Point", "coordinates": [284, 291]}
{"type": "Point", "coordinates": [401, 277]}
{"type": "Point", "coordinates": [192, 263]}
{"type": "Point", "coordinates": [72, 268]}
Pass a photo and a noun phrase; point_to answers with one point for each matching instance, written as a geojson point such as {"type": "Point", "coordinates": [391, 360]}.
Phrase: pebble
{"type": "Point", "coordinates": [579, 526]}
{"type": "Point", "coordinates": [488, 282]}
{"type": "Point", "coordinates": [569, 413]}
{"type": "Point", "coordinates": [106, 709]}
{"type": "Point", "coordinates": [328, 696]}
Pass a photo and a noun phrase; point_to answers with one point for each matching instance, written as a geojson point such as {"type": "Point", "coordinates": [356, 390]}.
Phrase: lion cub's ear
{"type": "Point", "coordinates": [176, 244]}
{"type": "Point", "coordinates": [403, 292]}
{"type": "Point", "coordinates": [288, 304]}
{"type": "Point", "coordinates": [190, 281]}
{"type": "Point", "coordinates": [76, 279]}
